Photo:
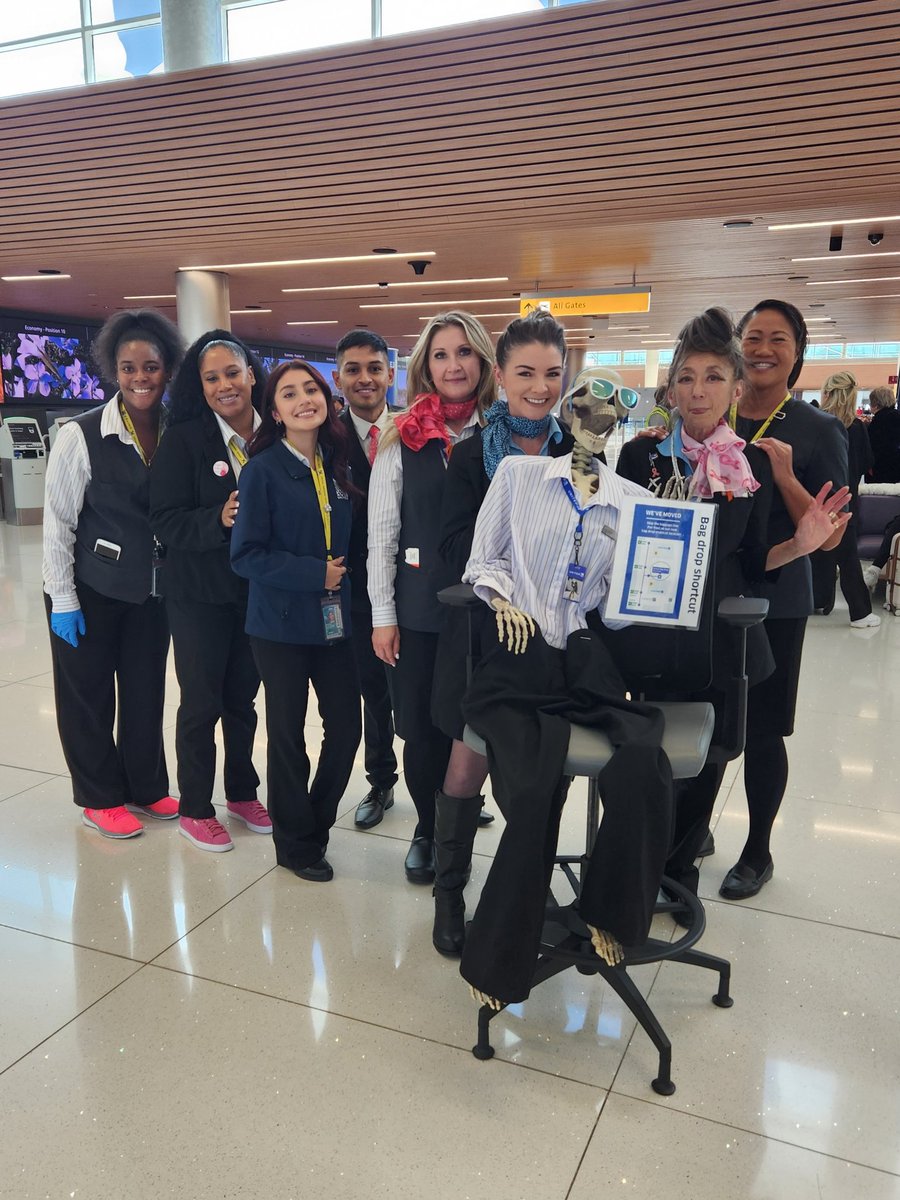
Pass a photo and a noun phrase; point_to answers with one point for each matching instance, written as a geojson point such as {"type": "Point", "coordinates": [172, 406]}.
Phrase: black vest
{"type": "Point", "coordinates": [116, 508]}
{"type": "Point", "coordinates": [416, 586]}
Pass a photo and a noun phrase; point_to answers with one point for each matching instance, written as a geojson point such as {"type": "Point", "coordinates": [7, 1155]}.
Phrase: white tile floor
{"type": "Point", "coordinates": [181, 1024]}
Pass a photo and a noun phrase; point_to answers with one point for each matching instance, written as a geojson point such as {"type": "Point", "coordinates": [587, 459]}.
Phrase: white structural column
{"type": "Point", "coordinates": [203, 302]}
{"type": "Point", "coordinates": [192, 34]}
{"type": "Point", "coordinates": [651, 369]}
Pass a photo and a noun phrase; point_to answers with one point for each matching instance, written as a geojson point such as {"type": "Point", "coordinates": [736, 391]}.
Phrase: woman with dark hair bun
{"type": "Point", "coordinates": [110, 636]}
{"type": "Point", "coordinates": [213, 414]}
{"type": "Point", "coordinates": [290, 539]}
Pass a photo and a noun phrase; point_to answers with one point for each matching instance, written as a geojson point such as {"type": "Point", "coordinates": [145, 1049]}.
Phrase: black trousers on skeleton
{"type": "Point", "coordinates": [522, 705]}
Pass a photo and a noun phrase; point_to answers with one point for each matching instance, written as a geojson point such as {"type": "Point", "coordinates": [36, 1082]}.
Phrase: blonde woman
{"type": "Point", "coordinates": [839, 399]}
{"type": "Point", "coordinates": [451, 376]}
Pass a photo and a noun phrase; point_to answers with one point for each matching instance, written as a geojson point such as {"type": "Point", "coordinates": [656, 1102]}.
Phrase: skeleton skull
{"type": "Point", "coordinates": [594, 404]}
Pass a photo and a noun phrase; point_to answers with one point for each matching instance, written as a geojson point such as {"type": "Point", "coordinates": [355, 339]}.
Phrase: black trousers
{"type": "Point", "coordinates": [522, 705]}
{"type": "Point", "coordinates": [219, 681]}
{"type": "Point", "coordinates": [426, 751]}
{"type": "Point", "coordinates": [845, 557]}
{"type": "Point", "coordinates": [303, 814]}
{"type": "Point", "coordinates": [124, 650]}
{"type": "Point", "coordinates": [378, 720]}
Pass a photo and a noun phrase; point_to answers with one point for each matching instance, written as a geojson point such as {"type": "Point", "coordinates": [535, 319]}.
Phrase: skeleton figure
{"type": "Point", "coordinates": [591, 408]}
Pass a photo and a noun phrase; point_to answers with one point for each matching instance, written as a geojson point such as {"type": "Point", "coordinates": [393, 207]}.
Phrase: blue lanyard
{"type": "Point", "coordinates": [579, 528]}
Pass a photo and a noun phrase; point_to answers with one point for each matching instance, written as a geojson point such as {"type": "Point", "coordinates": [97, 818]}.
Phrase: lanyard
{"type": "Point", "coordinates": [129, 425]}
{"type": "Point", "coordinates": [732, 419]}
{"type": "Point", "coordinates": [237, 450]}
{"type": "Point", "coordinates": [318, 474]}
{"type": "Point", "coordinates": [579, 528]}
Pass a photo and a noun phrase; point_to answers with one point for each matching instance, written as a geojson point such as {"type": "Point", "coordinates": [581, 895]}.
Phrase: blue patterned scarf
{"type": "Point", "coordinates": [496, 436]}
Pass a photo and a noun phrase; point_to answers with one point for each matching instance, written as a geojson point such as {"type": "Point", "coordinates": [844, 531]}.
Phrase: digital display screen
{"type": "Point", "coordinates": [47, 363]}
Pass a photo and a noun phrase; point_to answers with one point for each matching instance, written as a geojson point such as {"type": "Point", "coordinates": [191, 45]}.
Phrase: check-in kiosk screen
{"type": "Point", "coordinates": [20, 433]}
{"type": "Point", "coordinates": [45, 363]}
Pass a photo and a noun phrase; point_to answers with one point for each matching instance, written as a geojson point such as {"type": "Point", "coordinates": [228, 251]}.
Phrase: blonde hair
{"type": "Point", "coordinates": [418, 375]}
{"type": "Point", "coordinates": [839, 397]}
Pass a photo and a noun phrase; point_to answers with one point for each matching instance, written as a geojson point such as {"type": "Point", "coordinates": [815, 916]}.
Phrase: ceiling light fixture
{"type": "Point", "coordinates": [813, 320]}
{"type": "Point", "coordinates": [483, 316]}
{"type": "Point", "coordinates": [315, 323]}
{"type": "Point", "coordinates": [356, 287]}
{"type": "Point", "coordinates": [842, 282]}
{"type": "Point", "coordinates": [244, 312]}
{"type": "Point", "coordinates": [845, 257]}
{"type": "Point", "coordinates": [829, 224]}
{"type": "Point", "coordinates": [305, 262]}
{"type": "Point", "coordinates": [439, 303]}
{"type": "Point", "coordinates": [32, 278]}
{"type": "Point", "coordinates": [882, 296]}
{"type": "Point", "coordinates": [161, 296]}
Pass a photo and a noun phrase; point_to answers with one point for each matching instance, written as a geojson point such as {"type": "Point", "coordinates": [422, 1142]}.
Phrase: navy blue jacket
{"type": "Point", "coordinates": [278, 543]}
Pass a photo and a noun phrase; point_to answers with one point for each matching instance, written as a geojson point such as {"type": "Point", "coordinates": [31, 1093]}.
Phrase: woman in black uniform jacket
{"type": "Point", "coordinates": [839, 399]}
{"type": "Point", "coordinates": [193, 502]}
{"type": "Point", "coordinates": [530, 364]}
{"type": "Point", "coordinates": [702, 459]}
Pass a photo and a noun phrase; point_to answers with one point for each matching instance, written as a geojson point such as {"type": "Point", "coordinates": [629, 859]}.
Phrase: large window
{"type": "Point", "coordinates": [405, 16]}
{"type": "Point", "coordinates": [253, 30]}
{"type": "Point", "coordinates": [53, 44]}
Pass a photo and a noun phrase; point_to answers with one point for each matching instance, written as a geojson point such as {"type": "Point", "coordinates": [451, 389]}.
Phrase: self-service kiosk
{"type": "Point", "coordinates": [23, 463]}
{"type": "Point", "coordinates": [56, 427]}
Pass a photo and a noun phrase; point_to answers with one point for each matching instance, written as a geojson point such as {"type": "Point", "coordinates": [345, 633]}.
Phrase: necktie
{"type": "Point", "coordinates": [373, 443]}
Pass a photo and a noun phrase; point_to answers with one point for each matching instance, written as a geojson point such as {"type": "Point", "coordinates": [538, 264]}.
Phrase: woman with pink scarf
{"type": "Point", "coordinates": [703, 459]}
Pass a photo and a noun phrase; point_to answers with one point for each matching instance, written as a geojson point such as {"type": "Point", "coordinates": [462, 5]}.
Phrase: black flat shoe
{"type": "Point", "coordinates": [708, 847]}
{"type": "Point", "coordinates": [373, 807]}
{"type": "Point", "coordinates": [742, 881]}
{"type": "Point", "coordinates": [419, 864]}
{"type": "Point", "coordinates": [317, 872]}
{"type": "Point", "coordinates": [485, 817]}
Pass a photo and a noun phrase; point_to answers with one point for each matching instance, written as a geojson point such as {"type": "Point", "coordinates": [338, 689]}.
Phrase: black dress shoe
{"type": "Point", "coordinates": [373, 807]}
{"type": "Point", "coordinates": [419, 863]}
{"type": "Point", "coordinates": [317, 872]}
{"type": "Point", "coordinates": [708, 847]}
{"type": "Point", "coordinates": [485, 817]}
{"type": "Point", "coordinates": [742, 881]}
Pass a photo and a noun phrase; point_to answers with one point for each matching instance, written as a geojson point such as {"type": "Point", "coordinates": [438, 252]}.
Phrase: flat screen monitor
{"type": "Point", "coordinates": [45, 363]}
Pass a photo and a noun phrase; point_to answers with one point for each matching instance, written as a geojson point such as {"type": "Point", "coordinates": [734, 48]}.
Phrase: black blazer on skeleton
{"type": "Point", "coordinates": [186, 500]}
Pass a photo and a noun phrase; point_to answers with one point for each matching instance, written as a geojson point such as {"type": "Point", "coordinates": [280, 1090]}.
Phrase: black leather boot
{"type": "Point", "coordinates": [455, 826]}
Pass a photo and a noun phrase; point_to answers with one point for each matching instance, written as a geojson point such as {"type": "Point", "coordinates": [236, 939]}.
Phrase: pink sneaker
{"type": "Point", "coordinates": [164, 810]}
{"type": "Point", "coordinates": [252, 813]}
{"type": "Point", "coordinates": [206, 834]}
{"type": "Point", "coordinates": [112, 822]}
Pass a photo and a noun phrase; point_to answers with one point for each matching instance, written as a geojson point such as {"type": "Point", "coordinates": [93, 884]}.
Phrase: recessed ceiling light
{"type": "Point", "coordinates": [454, 303]}
{"type": "Point", "coordinates": [881, 296]}
{"type": "Point", "coordinates": [854, 279]}
{"type": "Point", "coordinates": [416, 283]}
{"type": "Point", "coordinates": [161, 296]}
{"type": "Point", "coordinates": [243, 312]}
{"type": "Point", "coordinates": [834, 221]}
{"type": "Point", "coordinates": [626, 328]}
{"type": "Point", "coordinates": [301, 262]}
{"type": "Point", "coordinates": [812, 320]}
{"type": "Point", "coordinates": [315, 323]}
{"type": "Point", "coordinates": [32, 278]}
{"type": "Point", "coordinates": [844, 257]}
{"type": "Point", "coordinates": [482, 316]}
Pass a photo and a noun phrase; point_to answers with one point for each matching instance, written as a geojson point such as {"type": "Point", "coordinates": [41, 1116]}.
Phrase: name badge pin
{"type": "Point", "coordinates": [220, 468]}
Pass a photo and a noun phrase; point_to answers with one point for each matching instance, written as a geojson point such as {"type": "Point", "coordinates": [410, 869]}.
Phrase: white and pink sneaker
{"type": "Point", "coordinates": [206, 833]}
{"type": "Point", "coordinates": [252, 813]}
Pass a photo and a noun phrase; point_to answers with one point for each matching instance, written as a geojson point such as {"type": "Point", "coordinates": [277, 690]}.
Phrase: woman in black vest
{"type": "Point", "coordinates": [531, 356]}
{"type": "Point", "coordinates": [193, 502]}
{"type": "Point", "coordinates": [109, 629]}
{"type": "Point", "coordinates": [451, 376]}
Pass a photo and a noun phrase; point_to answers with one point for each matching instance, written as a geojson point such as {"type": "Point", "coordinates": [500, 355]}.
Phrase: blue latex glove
{"type": "Point", "coordinates": [68, 625]}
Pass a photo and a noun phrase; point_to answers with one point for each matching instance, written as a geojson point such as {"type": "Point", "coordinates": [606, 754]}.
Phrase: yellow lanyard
{"type": "Point", "coordinates": [129, 425]}
{"type": "Point", "coordinates": [732, 419]}
{"type": "Point", "coordinates": [235, 447]}
{"type": "Point", "coordinates": [318, 474]}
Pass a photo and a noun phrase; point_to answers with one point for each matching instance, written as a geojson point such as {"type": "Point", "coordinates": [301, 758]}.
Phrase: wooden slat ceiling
{"type": "Point", "coordinates": [582, 147]}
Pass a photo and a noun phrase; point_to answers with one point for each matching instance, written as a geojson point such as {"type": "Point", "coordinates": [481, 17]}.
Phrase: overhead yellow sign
{"type": "Point", "coordinates": [576, 304]}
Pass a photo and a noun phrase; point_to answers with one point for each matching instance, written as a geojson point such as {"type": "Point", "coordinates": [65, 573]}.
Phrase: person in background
{"type": "Point", "coordinates": [364, 375]}
{"type": "Point", "coordinates": [193, 502]}
{"type": "Point", "coordinates": [884, 436]}
{"type": "Point", "coordinates": [109, 634]}
{"type": "Point", "coordinates": [451, 375]}
{"type": "Point", "coordinates": [839, 399]}
{"type": "Point", "coordinates": [530, 365]}
{"type": "Point", "coordinates": [660, 415]}
{"type": "Point", "coordinates": [290, 539]}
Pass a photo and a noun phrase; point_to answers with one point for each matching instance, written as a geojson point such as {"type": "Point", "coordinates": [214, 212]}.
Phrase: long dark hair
{"type": "Point", "coordinates": [332, 433]}
{"type": "Point", "coordinates": [794, 318]}
{"type": "Point", "coordinates": [186, 399]}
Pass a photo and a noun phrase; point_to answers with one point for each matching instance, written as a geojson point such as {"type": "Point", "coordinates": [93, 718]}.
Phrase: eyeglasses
{"type": "Point", "coordinates": [605, 389]}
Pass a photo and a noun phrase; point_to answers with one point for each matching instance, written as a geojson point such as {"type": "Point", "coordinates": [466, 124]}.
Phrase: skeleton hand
{"type": "Point", "coordinates": [481, 998]}
{"type": "Point", "coordinates": [513, 626]}
{"type": "Point", "coordinates": [607, 947]}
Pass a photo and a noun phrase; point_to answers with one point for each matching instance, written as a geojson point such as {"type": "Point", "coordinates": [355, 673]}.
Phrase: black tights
{"type": "Point", "coordinates": [765, 781]}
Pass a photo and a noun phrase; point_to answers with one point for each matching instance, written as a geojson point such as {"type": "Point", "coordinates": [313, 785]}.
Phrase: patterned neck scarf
{"type": "Point", "coordinates": [428, 419]}
{"type": "Point", "coordinates": [719, 464]}
{"type": "Point", "coordinates": [497, 434]}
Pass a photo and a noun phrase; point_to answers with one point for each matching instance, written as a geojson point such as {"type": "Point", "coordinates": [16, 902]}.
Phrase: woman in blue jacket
{"type": "Point", "coordinates": [290, 538]}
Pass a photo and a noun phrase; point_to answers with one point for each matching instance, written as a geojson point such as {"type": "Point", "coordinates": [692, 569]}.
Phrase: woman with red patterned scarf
{"type": "Point", "coordinates": [451, 376]}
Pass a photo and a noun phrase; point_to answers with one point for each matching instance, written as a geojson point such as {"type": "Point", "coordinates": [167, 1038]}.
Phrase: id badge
{"type": "Point", "coordinates": [575, 576]}
{"type": "Point", "coordinates": [331, 618]}
{"type": "Point", "coordinates": [155, 590]}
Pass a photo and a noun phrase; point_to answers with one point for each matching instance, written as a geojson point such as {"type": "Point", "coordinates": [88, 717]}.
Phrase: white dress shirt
{"type": "Point", "coordinates": [385, 496]}
{"type": "Point", "coordinates": [524, 541]}
{"type": "Point", "coordinates": [67, 479]}
{"type": "Point", "coordinates": [228, 433]}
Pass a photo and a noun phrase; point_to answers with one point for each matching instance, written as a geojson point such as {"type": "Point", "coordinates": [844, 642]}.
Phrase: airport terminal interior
{"type": "Point", "coordinates": [205, 1026]}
